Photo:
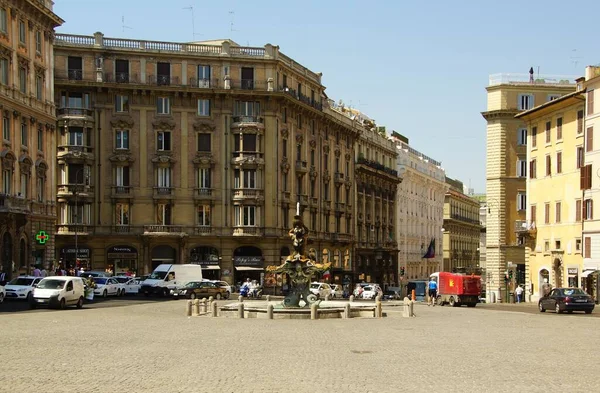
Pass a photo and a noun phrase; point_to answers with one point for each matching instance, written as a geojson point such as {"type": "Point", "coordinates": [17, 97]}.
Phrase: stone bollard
{"type": "Point", "coordinates": [347, 311]}
{"type": "Point", "coordinates": [214, 309]}
{"type": "Point", "coordinates": [188, 308]}
{"type": "Point", "coordinates": [270, 311]}
{"type": "Point", "coordinates": [196, 308]}
{"type": "Point", "coordinates": [406, 303]}
{"type": "Point", "coordinates": [411, 308]}
{"type": "Point", "coordinates": [203, 306]}
{"type": "Point", "coordinates": [268, 297]}
{"type": "Point", "coordinates": [377, 298]}
{"type": "Point", "coordinates": [314, 314]}
{"type": "Point", "coordinates": [241, 310]}
{"type": "Point", "coordinates": [351, 298]}
{"type": "Point", "coordinates": [379, 308]}
{"type": "Point", "coordinates": [240, 298]}
{"type": "Point", "coordinates": [210, 300]}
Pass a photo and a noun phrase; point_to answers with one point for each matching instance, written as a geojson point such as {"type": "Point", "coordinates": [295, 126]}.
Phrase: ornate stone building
{"type": "Point", "coordinates": [420, 210]}
{"type": "Point", "coordinates": [27, 209]}
{"type": "Point", "coordinates": [197, 153]}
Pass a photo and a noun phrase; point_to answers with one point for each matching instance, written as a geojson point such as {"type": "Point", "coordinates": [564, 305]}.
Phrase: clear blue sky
{"type": "Point", "coordinates": [417, 67]}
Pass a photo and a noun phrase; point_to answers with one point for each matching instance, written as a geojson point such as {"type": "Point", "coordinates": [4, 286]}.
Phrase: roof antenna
{"type": "Point", "coordinates": [575, 59]}
{"type": "Point", "coordinates": [191, 8]}
{"type": "Point", "coordinates": [231, 29]}
{"type": "Point", "coordinates": [123, 23]}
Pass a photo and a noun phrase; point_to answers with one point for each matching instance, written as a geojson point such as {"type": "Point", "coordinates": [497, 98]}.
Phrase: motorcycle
{"type": "Point", "coordinates": [255, 293]}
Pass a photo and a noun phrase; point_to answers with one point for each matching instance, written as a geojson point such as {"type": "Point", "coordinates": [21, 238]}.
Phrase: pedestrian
{"type": "Point", "coordinates": [36, 271]}
{"type": "Point", "coordinates": [2, 276]}
{"type": "Point", "coordinates": [519, 293]}
{"type": "Point", "coordinates": [90, 286]}
{"type": "Point", "coordinates": [546, 288]}
{"type": "Point", "coordinates": [44, 272]}
{"type": "Point", "coordinates": [432, 285]}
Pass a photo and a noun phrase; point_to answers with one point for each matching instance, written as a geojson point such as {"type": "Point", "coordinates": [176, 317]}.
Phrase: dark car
{"type": "Point", "coordinates": [567, 299]}
{"type": "Point", "coordinates": [199, 290]}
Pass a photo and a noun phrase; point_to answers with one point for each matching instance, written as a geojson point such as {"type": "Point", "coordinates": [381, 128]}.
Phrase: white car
{"type": "Point", "coordinates": [336, 291]}
{"type": "Point", "coordinates": [58, 291]}
{"type": "Point", "coordinates": [371, 291]}
{"type": "Point", "coordinates": [21, 287]}
{"type": "Point", "coordinates": [223, 285]}
{"type": "Point", "coordinates": [108, 286]}
{"type": "Point", "coordinates": [321, 290]}
{"type": "Point", "coordinates": [132, 286]}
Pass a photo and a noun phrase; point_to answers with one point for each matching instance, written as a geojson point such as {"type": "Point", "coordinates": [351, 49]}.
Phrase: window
{"type": "Point", "coordinates": [326, 161]}
{"type": "Point", "coordinates": [204, 142]}
{"type": "Point", "coordinates": [39, 87]}
{"type": "Point", "coordinates": [532, 169]}
{"type": "Point", "coordinates": [203, 107]}
{"type": "Point", "coordinates": [75, 68]}
{"type": "Point", "coordinates": [41, 185]}
{"type": "Point", "coordinates": [533, 137]}
{"type": "Point", "coordinates": [247, 144]}
{"type": "Point", "coordinates": [24, 193]}
{"type": "Point", "coordinates": [163, 105]}
{"type": "Point", "coordinates": [250, 178]}
{"type": "Point", "coordinates": [313, 127]}
{"type": "Point", "coordinates": [7, 181]}
{"type": "Point", "coordinates": [521, 168]}
{"type": "Point", "coordinates": [557, 245]}
{"type": "Point", "coordinates": [163, 177]}
{"type": "Point", "coordinates": [585, 177]}
{"type": "Point", "coordinates": [204, 215]}
{"type": "Point", "coordinates": [546, 245]}
{"type": "Point", "coordinates": [247, 78]}
{"type": "Point", "coordinates": [122, 139]}
{"type": "Point", "coordinates": [23, 80]}
{"type": "Point", "coordinates": [6, 128]}
{"type": "Point", "coordinates": [245, 216]}
{"type": "Point", "coordinates": [578, 210]}
{"type": "Point", "coordinates": [122, 176]}
{"type": "Point", "coordinates": [559, 162]}
{"type": "Point", "coordinates": [577, 245]}
{"type": "Point", "coordinates": [204, 76]}
{"type": "Point", "coordinates": [122, 70]}
{"type": "Point", "coordinates": [548, 130]}
{"type": "Point", "coordinates": [559, 128]}
{"type": "Point", "coordinates": [3, 21]}
{"type": "Point", "coordinates": [533, 214]}
{"type": "Point", "coordinates": [40, 139]}
{"type": "Point", "coordinates": [525, 101]}
{"type": "Point", "coordinates": [75, 136]}
{"type": "Point", "coordinates": [587, 251]}
{"type": "Point", "coordinates": [312, 157]}
{"type": "Point", "coordinates": [247, 108]}
{"type": "Point", "coordinates": [522, 136]}
{"type": "Point", "coordinates": [547, 213]}
{"type": "Point", "coordinates": [589, 140]}
{"type": "Point", "coordinates": [163, 72]}
{"type": "Point", "coordinates": [521, 201]}
{"type": "Point", "coordinates": [588, 209]}
{"type": "Point", "coordinates": [590, 102]}
{"type": "Point", "coordinates": [557, 216]}
{"type": "Point", "coordinates": [22, 32]}
{"type": "Point", "coordinates": [122, 214]}
{"type": "Point", "coordinates": [122, 103]}
{"type": "Point", "coordinates": [163, 214]}
{"type": "Point", "coordinates": [24, 132]}
{"type": "Point", "coordinates": [204, 178]}
{"type": "Point", "coordinates": [4, 71]}
{"type": "Point", "coordinates": [552, 97]}
{"type": "Point", "coordinates": [284, 115]}
{"type": "Point", "coordinates": [284, 148]}
{"type": "Point", "coordinates": [580, 121]}
{"type": "Point", "coordinates": [75, 100]}
{"type": "Point", "coordinates": [548, 166]}
{"type": "Point", "coordinates": [299, 119]}
{"type": "Point", "coordinates": [163, 140]}
{"type": "Point", "coordinates": [38, 42]}
{"type": "Point", "coordinates": [580, 156]}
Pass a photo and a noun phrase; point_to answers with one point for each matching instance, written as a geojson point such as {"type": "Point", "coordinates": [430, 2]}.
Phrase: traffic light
{"type": "Point", "coordinates": [510, 274]}
{"type": "Point", "coordinates": [402, 271]}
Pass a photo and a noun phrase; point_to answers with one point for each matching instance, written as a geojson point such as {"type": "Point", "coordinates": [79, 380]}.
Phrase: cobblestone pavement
{"type": "Point", "coordinates": [153, 347]}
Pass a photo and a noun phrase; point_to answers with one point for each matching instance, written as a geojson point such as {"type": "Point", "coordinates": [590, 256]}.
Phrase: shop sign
{"type": "Point", "coordinates": [122, 252]}
{"type": "Point", "coordinates": [82, 252]}
{"type": "Point", "coordinates": [42, 237]}
{"type": "Point", "coordinates": [248, 261]}
{"type": "Point", "coordinates": [572, 270]}
{"type": "Point", "coordinates": [203, 259]}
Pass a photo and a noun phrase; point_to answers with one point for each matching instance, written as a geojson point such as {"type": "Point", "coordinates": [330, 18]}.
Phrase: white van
{"type": "Point", "coordinates": [167, 277]}
{"type": "Point", "coordinates": [58, 291]}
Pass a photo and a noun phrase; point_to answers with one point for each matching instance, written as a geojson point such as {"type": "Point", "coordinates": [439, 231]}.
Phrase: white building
{"type": "Point", "coordinates": [420, 210]}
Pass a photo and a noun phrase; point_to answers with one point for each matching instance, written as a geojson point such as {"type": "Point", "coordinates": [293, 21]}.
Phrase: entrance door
{"type": "Point", "coordinates": [163, 255]}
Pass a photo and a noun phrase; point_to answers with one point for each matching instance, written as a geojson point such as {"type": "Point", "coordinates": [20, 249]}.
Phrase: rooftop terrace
{"type": "Point", "coordinates": [525, 79]}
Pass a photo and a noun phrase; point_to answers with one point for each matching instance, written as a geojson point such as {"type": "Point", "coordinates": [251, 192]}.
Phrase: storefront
{"type": "Point", "coordinates": [208, 258]}
{"type": "Point", "coordinates": [573, 277]}
{"type": "Point", "coordinates": [248, 263]}
{"type": "Point", "coordinates": [75, 257]}
{"type": "Point", "coordinates": [122, 259]}
{"type": "Point", "coordinates": [379, 267]}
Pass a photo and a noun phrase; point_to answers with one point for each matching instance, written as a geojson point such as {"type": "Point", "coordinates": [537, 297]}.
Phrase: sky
{"type": "Point", "coordinates": [417, 67]}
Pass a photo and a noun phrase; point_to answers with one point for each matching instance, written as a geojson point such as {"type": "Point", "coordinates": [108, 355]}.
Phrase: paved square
{"type": "Point", "coordinates": [153, 347]}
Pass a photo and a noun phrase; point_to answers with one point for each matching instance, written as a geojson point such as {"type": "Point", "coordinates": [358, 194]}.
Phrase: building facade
{"type": "Point", "coordinates": [552, 229]}
{"type": "Point", "coordinates": [197, 153]}
{"type": "Point", "coordinates": [461, 232]}
{"type": "Point", "coordinates": [420, 213]}
{"type": "Point", "coordinates": [27, 208]}
{"type": "Point", "coordinates": [508, 95]}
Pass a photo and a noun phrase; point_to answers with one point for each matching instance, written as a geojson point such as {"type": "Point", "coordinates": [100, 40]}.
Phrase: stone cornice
{"type": "Point", "coordinates": [500, 114]}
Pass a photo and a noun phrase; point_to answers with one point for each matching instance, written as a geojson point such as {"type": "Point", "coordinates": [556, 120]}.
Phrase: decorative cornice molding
{"type": "Point", "coordinates": [203, 125]}
{"type": "Point", "coordinates": [163, 123]}
{"type": "Point", "coordinates": [122, 121]}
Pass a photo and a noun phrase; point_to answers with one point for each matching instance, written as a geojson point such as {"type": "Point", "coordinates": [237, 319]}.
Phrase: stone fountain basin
{"type": "Point", "coordinates": [327, 309]}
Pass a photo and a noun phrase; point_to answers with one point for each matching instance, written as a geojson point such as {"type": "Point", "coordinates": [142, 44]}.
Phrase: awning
{"type": "Point", "coordinates": [246, 268]}
{"type": "Point", "coordinates": [587, 273]}
{"type": "Point", "coordinates": [211, 267]}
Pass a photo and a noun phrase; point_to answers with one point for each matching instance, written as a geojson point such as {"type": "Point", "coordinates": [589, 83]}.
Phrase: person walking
{"type": "Point", "coordinates": [519, 293]}
{"type": "Point", "coordinates": [432, 286]}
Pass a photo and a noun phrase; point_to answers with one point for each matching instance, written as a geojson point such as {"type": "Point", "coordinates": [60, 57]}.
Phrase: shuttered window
{"type": "Point", "coordinates": [534, 137]}
{"type": "Point", "coordinates": [585, 177]}
{"type": "Point", "coordinates": [578, 210]}
{"type": "Point", "coordinates": [589, 139]}
{"type": "Point", "coordinates": [532, 169]}
{"type": "Point", "coordinates": [590, 102]}
{"type": "Point", "coordinates": [559, 162]}
{"type": "Point", "coordinates": [559, 128]}
{"type": "Point", "coordinates": [587, 248]}
{"type": "Point", "coordinates": [580, 121]}
{"type": "Point", "coordinates": [557, 216]}
{"type": "Point", "coordinates": [547, 213]}
{"type": "Point", "coordinates": [548, 130]}
{"type": "Point", "coordinates": [548, 166]}
{"type": "Point", "coordinates": [533, 213]}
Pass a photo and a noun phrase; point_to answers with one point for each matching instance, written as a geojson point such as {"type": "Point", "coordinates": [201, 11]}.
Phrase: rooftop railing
{"type": "Point", "coordinates": [504, 78]}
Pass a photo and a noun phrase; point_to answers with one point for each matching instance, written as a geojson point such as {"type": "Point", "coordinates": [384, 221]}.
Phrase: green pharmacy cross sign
{"type": "Point", "coordinates": [42, 237]}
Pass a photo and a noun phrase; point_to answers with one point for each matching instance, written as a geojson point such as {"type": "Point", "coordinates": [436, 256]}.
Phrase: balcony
{"type": "Point", "coordinates": [247, 158]}
{"type": "Point", "coordinates": [163, 80]}
{"type": "Point", "coordinates": [248, 193]}
{"type": "Point", "coordinates": [71, 229]}
{"type": "Point", "coordinates": [247, 231]}
{"type": "Point", "coordinates": [247, 84]}
{"type": "Point", "coordinates": [74, 154]}
{"type": "Point", "coordinates": [301, 167]}
{"type": "Point", "coordinates": [379, 167]}
{"type": "Point", "coordinates": [204, 231]}
{"type": "Point", "coordinates": [121, 77]}
{"type": "Point", "coordinates": [14, 204]}
{"type": "Point", "coordinates": [301, 97]}
{"type": "Point", "coordinates": [176, 229]}
{"type": "Point", "coordinates": [203, 194]}
{"type": "Point", "coordinates": [303, 200]}
{"type": "Point", "coordinates": [74, 112]}
{"type": "Point", "coordinates": [462, 218]}
{"type": "Point", "coordinates": [69, 190]}
{"type": "Point", "coordinates": [75, 74]}
{"type": "Point", "coordinates": [522, 226]}
{"type": "Point", "coordinates": [246, 119]}
{"type": "Point", "coordinates": [344, 237]}
{"type": "Point", "coordinates": [163, 192]}
{"type": "Point", "coordinates": [121, 229]}
{"type": "Point", "coordinates": [204, 83]}
{"type": "Point", "coordinates": [338, 177]}
{"type": "Point", "coordinates": [122, 192]}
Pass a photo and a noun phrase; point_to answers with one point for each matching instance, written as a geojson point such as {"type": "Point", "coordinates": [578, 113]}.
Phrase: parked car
{"type": "Point", "coordinates": [321, 290]}
{"type": "Point", "coordinates": [371, 291]}
{"type": "Point", "coordinates": [225, 286]}
{"type": "Point", "coordinates": [108, 286]}
{"type": "Point", "coordinates": [391, 295]}
{"type": "Point", "coordinates": [94, 273]}
{"type": "Point", "coordinates": [336, 291]}
{"type": "Point", "coordinates": [58, 291]}
{"type": "Point", "coordinates": [567, 299]}
{"type": "Point", "coordinates": [132, 286]}
{"type": "Point", "coordinates": [199, 289]}
{"type": "Point", "coordinates": [21, 287]}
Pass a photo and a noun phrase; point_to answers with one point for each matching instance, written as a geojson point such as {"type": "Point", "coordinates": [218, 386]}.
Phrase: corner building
{"type": "Point", "coordinates": [196, 153]}
{"type": "Point", "coordinates": [27, 156]}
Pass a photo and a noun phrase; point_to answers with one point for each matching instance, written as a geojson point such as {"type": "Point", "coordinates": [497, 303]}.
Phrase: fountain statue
{"type": "Point", "coordinates": [299, 266]}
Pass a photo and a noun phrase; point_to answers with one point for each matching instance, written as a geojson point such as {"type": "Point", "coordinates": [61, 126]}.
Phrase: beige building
{"type": "Point", "coordinates": [462, 230]}
{"type": "Point", "coordinates": [420, 210]}
{"type": "Point", "coordinates": [27, 195]}
{"type": "Point", "coordinates": [197, 152]}
{"type": "Point", "coordinates": [506, 165]}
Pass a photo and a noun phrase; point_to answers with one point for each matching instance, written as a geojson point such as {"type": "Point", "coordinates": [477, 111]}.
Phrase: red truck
{"type": "Point", "coordinates": [457, 289]}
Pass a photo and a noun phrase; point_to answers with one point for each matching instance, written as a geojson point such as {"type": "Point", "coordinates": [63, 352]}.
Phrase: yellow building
{"type": "Point", "coordinates": [553, 225]}
{"type": "Point", "coordinates": [507, 95]}
{"type": "Point", "coordinates": [197, 152]}
{"type": "Point", "coordinates": [461, 232]}
{"type": "Point", "coordinates": [28, 154]}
